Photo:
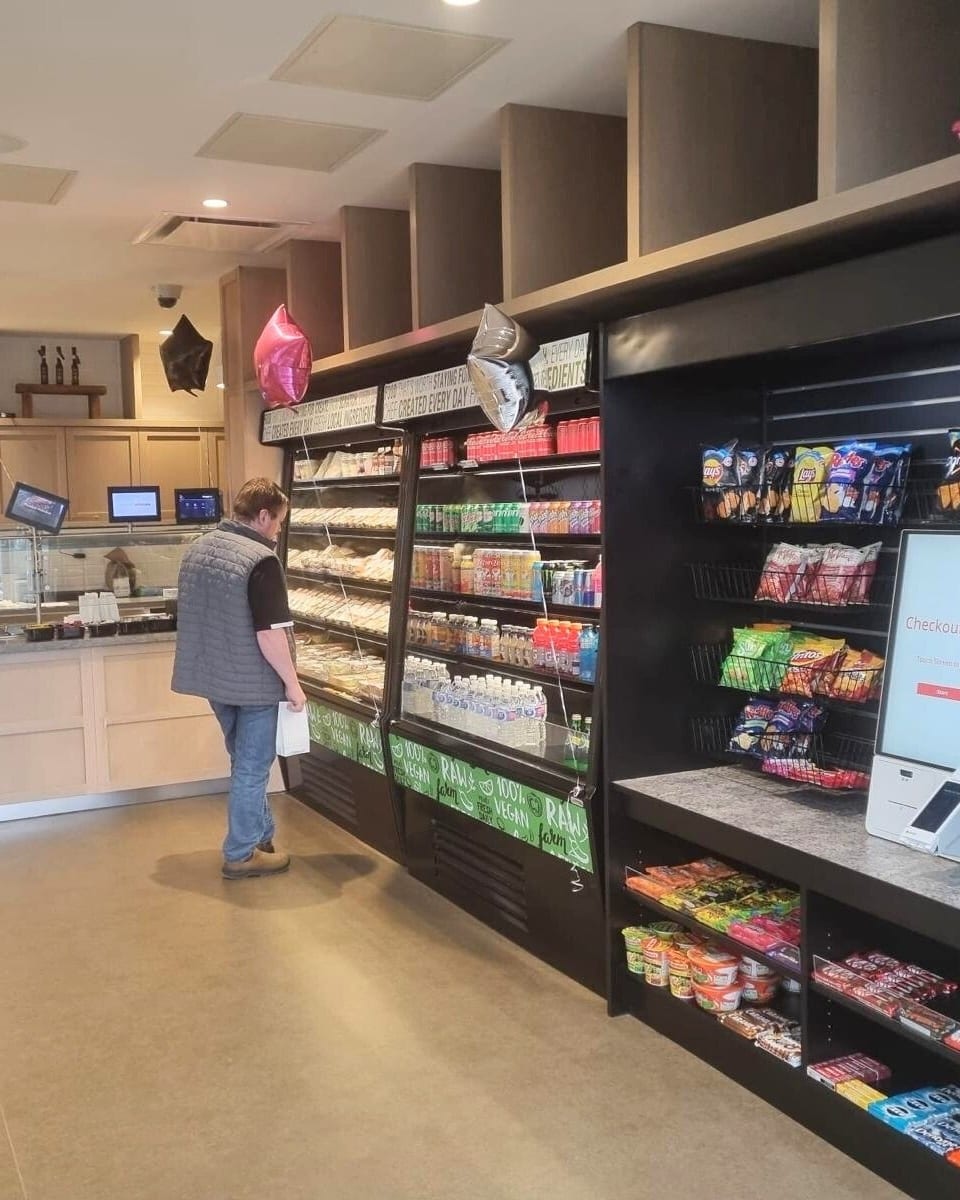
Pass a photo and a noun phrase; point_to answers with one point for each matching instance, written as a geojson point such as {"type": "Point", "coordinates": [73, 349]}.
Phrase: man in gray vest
{"type": "Point", "coordinates": [235, 648]}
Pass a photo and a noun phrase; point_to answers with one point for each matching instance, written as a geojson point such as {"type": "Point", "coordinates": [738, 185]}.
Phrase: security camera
{"type": "Point", "coordinates": [167, 294]}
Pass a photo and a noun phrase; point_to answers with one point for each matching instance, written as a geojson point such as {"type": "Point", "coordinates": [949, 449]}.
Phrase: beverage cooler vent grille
{"type": "Point", "coordinates": [327, 788]}
{"type": "Point", "coordinates": [465, 864]}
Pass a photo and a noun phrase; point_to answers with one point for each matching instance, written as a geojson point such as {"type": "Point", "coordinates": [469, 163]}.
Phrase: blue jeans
{"type": "Point", "coordinates": [250, 734]}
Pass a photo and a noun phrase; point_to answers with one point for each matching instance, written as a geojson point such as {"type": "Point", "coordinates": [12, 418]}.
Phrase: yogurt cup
{"type": "Point", "coordinates": [759, 991]}
{"type": "Point", "coordinates": [751, 969]}
{"type": "Point", "coordinates": [711, 966]}
{"type": "Point", "coordinates": [718, 999]}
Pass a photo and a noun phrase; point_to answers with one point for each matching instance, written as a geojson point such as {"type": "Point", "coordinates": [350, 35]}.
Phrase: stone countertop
{"type": "Point", "coordinates": [20, 645]}
{"type": "Point", "coordinates": [820, 826]}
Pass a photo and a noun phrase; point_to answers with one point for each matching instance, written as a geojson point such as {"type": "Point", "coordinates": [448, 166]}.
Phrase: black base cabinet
{"type": "Point", "coordinates": [352, 796]}
{"type": "Point", "coordinates": [539, 902]}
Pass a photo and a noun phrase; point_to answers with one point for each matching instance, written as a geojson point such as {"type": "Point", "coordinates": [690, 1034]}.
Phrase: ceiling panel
{"type": "Point", "coordinates": [356, 54]}
{"type": "Point", "coordinates": [33, 185]}
{"type": "Point", "coordinates": [282, 142]}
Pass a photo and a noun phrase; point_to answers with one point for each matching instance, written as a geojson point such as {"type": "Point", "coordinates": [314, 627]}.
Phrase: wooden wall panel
{"type": "Point", "coordinates": [315, 293]}
{"type": "Point", "coordinates": [564, 195]}
{"type": "Point", "coordinates": [889, 87]}
{"type": "Point", "coordinates": [456, 241]}
{"type": "Point", "coordinates": [376, 274]}
{"type": "Point", "coordinates": [722, 130]}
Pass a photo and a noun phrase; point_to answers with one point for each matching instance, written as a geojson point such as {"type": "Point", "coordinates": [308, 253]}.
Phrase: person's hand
{"type": "Point", "coordinates": [296, 697]}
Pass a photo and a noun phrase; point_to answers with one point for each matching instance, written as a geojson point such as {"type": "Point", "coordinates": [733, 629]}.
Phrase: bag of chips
{"type": "Point", "coordinates": [783, 573]}
{"type": "Point", "coordinates": [863, 580]}
{"type": "Point", "coordinates": [720, 482]}
{"type": "Point", "coordinates": [857, 678]}
{"type": "Point", "coordinates": [749, 480]}
{"type": "Point", "coordinates": [790, 731]}
{"type": "Point", "coordinates": [811, 658]}
{"type": "Point", "coordinates": [835, 575]}
{"type": "Point", "coordinates": [774, 500]}
{"type": "Point", "coordinates": [756, 661]}
{"type": "Point", "coordinates": [948, 493]}
{"type": "Point", "coordinates": [843, 494]}
{"type": "Point", "coordinates": [752, 722]}
{"type": "Point", "coordinates": [884, 486]}
{"type": "Point", "coordinates": [809, 475]}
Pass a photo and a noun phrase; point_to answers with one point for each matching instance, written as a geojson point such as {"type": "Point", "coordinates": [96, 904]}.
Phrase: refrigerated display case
{"type": "Point", "coordinates": [339, 545]}
{"type": "Point", "coordinates": [494, 716]}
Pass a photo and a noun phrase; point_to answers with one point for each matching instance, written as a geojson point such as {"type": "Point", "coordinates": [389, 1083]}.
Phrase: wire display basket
{"type": "Point", "coordinates": [832, 762]}
{"type": "Point", "coordinates": [815, 589]}
{"type": "Point", "coordinates": [713, 663]}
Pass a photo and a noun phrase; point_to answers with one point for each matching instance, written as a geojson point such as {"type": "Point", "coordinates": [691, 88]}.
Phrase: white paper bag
{"type": "Point", "coordinates": [293, 732]}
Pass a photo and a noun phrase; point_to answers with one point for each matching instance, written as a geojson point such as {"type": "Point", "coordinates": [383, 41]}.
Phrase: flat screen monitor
{"type": "Point", "coordinates": [133, 505]}
{"type": "Point", "coordinates": [920, 713]}
{"type": "Point", "coordinates": [197, 506]}
{"type": "Point", "coordinates": [37, 508]}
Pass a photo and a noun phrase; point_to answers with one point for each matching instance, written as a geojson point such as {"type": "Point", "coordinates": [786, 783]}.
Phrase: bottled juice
{"type": "Point", "coordinates": [466, 574]}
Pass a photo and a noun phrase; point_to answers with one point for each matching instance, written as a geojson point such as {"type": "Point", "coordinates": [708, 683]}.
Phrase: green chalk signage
{"type": "Point", "coordinates": [351, 737]}
{"type": "Point", "coordinates": [554, 826]}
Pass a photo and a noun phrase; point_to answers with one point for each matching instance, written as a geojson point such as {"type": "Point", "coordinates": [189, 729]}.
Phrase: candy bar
{"type": "Point", "coordinates": [925, 1021]}
{"type": "Point", "coordinates": [752, 1022]}
{"type": "Point", "coordinates": [835, 976]}
{"type": "Point", "coordinates": [910, 1108]}
{"type": "Point", "coordinates": [849, 1066]}
{"type": "Point", "coordinates": [874, 997]}
{"type": "Point", "coordinates": [859, 1093]}
{"type": "Point", "coordinates": [784, 1044]}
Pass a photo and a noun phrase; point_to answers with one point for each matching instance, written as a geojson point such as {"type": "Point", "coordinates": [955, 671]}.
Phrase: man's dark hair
{"type": "Point", "coordinates": [256, 495]}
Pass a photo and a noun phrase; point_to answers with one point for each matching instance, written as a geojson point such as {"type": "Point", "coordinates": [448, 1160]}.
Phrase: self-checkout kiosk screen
{"type": "Point", "coordinates": [920, 720]}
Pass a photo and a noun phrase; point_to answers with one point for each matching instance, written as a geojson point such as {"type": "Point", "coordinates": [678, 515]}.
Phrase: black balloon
{"type": "Point", "coordinates": [186, 358]}
{"type": "Point", "coordinates": [499, 366]}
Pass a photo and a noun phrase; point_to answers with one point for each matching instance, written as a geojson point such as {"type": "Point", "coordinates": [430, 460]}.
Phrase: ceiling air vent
{"type": "Point", "coordinates": [218, 234]}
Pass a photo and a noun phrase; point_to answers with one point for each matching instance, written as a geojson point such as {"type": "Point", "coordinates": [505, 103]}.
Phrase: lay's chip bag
{"type": "Point", "coordinates": [810, 467]}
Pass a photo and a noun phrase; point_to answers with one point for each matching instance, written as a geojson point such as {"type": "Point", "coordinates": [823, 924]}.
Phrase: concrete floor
{"type": "Point", "coordinates": [340, 1033]}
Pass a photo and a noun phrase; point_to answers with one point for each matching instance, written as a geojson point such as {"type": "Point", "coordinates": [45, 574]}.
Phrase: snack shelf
{"type": "Point", "coordinates": [499, 667]}
{"type": "Point", "coordinates": [891, 1025]}
{"type": "Point", "coordinates": [505, 603]}
{"type": "Point", "coordinates": [711, 736]}
{"type": "Point", "coordinates": [788, 1005]}
{"type": "Point", "coordinates": [810, 505]}
{"type": "Point", "coordinates": [350, 581]}
{"type": "Point", "coordinates": [514, 539]}
{"type": "Point", "coordinates": [311, 485]}
{"type": "Point", "coordinates": [759, 677]}
{"type": "Point", "coordinates": [328, 531]}
{"type": "Point", "coordinates": [553, 463]}
{"type": "Point", "coordinates": [346, 631]}
{"type": "Point", "coordinates": [739, 583]}
{"type": "Point", "coordinates": [721, 939]}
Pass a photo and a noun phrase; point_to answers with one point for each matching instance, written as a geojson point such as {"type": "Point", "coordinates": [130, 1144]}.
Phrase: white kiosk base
{"type": "Point", "coordinates": [915, 805]}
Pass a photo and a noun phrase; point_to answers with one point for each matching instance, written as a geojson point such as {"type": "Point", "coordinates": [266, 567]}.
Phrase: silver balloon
{"type": "Point", "coordinates": [499, 366]}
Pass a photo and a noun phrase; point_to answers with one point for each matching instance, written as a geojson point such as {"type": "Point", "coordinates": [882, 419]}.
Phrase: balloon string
{"type": "Point", "coordinates": [343, 590]}
{"type": "Point", "coordinates": [546, 615]}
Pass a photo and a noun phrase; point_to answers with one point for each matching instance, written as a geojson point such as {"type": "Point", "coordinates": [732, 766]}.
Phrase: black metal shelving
{"type": "Point", "coordinates": [503, 604]}
{"type": "Point", "coordinates": [554, 463]}
{"type": "Point", "coordinates": [352, 704]}
{"type": "Point", "coordinates": [721, 939]}
{"type": "Point", "coordinates": [382, 587]}
{"type": "Point", "coordinates": [499, 667]}
{"type": "Point", "coordinates": [376, 535]}
{"type": "Point", "coordinates": [311, 485]}
{"type": "Point", "coordinates": [521, 539]}
{"type": "Point", "coordinates": [346, 631]}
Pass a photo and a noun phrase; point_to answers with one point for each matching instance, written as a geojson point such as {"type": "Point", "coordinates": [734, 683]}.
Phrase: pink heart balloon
{"type": "Point", "coordinates": [283, 360]}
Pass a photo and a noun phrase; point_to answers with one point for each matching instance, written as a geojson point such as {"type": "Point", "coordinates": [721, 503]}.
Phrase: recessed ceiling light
{"type": "Point", "coordinates": [9, 143]}
{"type": "Point", "coordinates": [461, 3]}
{"type": "Point", "coordinates": [166, 333]}
{"type": "Point", "coordinates": [214, 203]}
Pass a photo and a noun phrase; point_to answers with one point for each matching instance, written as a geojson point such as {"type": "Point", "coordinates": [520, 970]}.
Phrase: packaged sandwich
{"type": "Point", "coordinates": [810, 467]}
{"type": "Point", "coordinates": [843, 493]}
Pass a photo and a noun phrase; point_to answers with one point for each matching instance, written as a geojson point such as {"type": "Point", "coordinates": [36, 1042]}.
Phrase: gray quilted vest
{"type": "Point", "coordinates": [217, 653]}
